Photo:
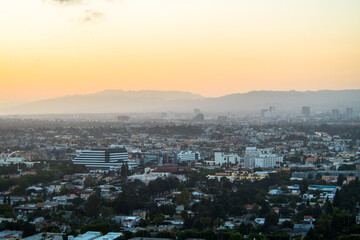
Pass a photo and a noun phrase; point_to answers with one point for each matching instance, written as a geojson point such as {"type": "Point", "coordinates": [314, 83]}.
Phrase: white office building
{"type": "Point", "coordinates": [188, 156]}
{"type": "Point", "coordinates": [268, 160]}
{"type": "Point", "coordinates": [263, 158]}
{"type": "Point", "coordinates": [226, 159]}
{"type": "Point", "coordinates": [102, 158]}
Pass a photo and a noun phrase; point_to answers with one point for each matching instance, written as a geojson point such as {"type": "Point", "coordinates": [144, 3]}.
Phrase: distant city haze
{"type": "Point", "coordinates": [52, 48]}
{"type": "Point", "coordinates": [119, 101]}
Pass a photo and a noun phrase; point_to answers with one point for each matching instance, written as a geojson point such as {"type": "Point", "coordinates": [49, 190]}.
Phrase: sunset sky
{"type": "Point", "coordinates": [51, 48]}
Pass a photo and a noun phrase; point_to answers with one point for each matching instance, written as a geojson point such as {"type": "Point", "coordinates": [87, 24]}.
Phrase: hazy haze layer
{"type": "Point", "coordinates": [162, 101]}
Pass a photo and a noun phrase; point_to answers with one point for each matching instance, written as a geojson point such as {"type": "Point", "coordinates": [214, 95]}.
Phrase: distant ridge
{"type": "Point", "coordinates": [112, 101]}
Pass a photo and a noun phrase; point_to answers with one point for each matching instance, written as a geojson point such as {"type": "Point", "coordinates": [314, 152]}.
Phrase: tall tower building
{"type": "Point", "coordinates": [198, 116]}
{"type": "Point", "coordinates": [349, 113]}
{"type": "Point", "coordinates": [305, 111]}
{"type": "Point", "coordinates": [335, 114]}
{"type": "Point", "coordinates": [196, 112]}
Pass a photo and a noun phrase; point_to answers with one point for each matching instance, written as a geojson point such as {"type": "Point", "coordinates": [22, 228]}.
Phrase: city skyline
{"type": "Point", "coordinates": [206, 119]}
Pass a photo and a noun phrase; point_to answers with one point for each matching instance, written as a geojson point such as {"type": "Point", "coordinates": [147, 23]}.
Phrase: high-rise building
{"type": "Point", "coordinates": [269, 113]}
{"type": "Point", "coordinates": [196, 112]}
{"type": "Point", "coordinates": [102, 158]}
{"type": "Point", "coordinates": [222, 118]}
{"type": "Point", "coordinates": [335, 114]}
{"type": "Point", "coordinates": [349, 113]}
{"type": "Point", "coordinates": [123, 118]}
{"type": "Point", "coordinates": [263, 112]}
{"type": "Point", "coordinates": [198, 116]}
{"type": "Point", "coordinates": [305, 111]}
{"type": "Point", "coordinates": [164, 115]}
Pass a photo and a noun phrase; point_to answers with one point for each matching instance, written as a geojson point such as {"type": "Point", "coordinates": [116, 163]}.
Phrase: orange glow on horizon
{"type": "Point", "coordinates": [211, 48]}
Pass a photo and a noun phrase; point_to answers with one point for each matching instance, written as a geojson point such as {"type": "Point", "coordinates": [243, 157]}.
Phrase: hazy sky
{"type": "Point", "coordinates": [51, 48]}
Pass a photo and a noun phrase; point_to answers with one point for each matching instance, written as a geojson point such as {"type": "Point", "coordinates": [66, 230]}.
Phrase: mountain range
{"type": "Point", "coordinates": [119, 101]}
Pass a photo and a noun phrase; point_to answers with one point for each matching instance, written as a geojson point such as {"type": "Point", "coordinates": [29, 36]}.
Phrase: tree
{"type": "Point", "coordinates": [89, 182]}
{"type": "Point", "coordinates": [93, 206]}
{"type": "Point", "coordinates": [97, 225]}
{"type": "Point", "coordinates": [271, 219]}
{"type": "Point", "coordinates": [349, 237]}
{"type": "Point", "coordinates": [183, 198]}
{"type": "Point", "coordinates": [124, 171]}
{"type": "Point", "coordinates": [255, 236]}
{"type": "Point", "coordinates": [167, 209]}
{"type": "Point", "coordinates": [340, 179]}
{"type": "Point", "coordinates": [64, 190]}
{"type": "Point", "coordinates": [278, 236]}
{"type": "Point", "coordinates": [188, 233]}
{"type": "Point", "coordinates": [184, 214]}
{"type": "Point", "coordinates": [208, 234]}
{"type": "Point", "coordinates": [323, 226]}
{"type": "Point", "coordinates": [318, 176]}
{"type": "Point", "coordinates": [76, 201]}
{"type": "Point", "coordinates": [205, 222]}
{"type": "Point", "coordinates": [27, 228]}
{"type": "Point", "coordinates": [158, 219]}
{"type": "Point", "coordinates": [181, 186]}
{"type": "Point", "coordinates": [346, 167]}
{"type": "Point", "coordinates": [6, 211]}
{"type": "Point", "coordinates": [304, 186]}
{"type": "Point", "coordinates": [142, 233]}
{"type": "Point", "coordinates": [164, 234]}
{"type": "Point", "coordinates": [287, 224]}
{"type": "Point", "coordinates": [106, 211]}
{"type": "Point", "coordinates": [311, 235]}
{"type": "Point", "coordinates": [316, 211]}
{"type": "Point", "coordinates": [217, 223]}
{"type": "Point", "coordinates": [328, 208]}
{"type": "Point", "coordinates": [337, 199]}
{"type": "Point", "coordinates": [53, 229]}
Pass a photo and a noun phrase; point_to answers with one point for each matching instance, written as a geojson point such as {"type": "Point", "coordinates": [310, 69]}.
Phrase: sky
{"type": "Point", "coordinates": [52, 48]}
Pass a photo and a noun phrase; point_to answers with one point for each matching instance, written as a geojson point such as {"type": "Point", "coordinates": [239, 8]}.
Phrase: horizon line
{"type": "Point", "coordinates": [180, 91]}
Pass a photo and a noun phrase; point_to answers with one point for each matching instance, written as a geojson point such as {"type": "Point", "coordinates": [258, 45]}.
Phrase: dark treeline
{"type": "Point", "coordinates": [42, 175]}
{"type": "Point", "coordinates": [225, 200]}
